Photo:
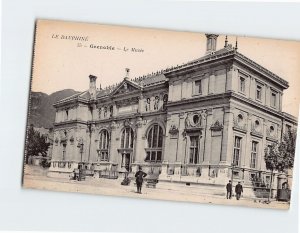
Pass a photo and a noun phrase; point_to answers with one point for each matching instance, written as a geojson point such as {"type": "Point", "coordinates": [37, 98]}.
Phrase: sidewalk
{"type": "Point", "coordinates": [113, 187]}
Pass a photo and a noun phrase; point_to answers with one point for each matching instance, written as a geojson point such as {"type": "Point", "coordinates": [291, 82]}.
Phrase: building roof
{"type": "Point", "coordinates": [160, 76]}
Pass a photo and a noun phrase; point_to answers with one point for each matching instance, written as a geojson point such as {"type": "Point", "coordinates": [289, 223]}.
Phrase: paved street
{"type": "Point", "coordinates": [113, 187]}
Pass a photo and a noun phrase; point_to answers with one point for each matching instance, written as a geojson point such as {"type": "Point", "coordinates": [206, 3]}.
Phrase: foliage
{"type": "Point", "coordinates": [280, 156]}
{"type": "Point", "coordinates": [36, 144]}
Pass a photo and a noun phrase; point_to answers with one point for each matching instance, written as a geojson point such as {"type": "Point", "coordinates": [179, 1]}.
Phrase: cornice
{"type": "Point", "coordinates": [256, 105]}
{"type": "Point", "coordinates": [198, 99]}
{"type": "Point", "coordinates": [71, 122]}
{"type": "Point", "coordinates": [260, 69]}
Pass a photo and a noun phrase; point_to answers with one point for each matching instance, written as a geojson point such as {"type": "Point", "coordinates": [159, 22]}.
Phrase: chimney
{"type": "Point", "coordinates": [127, 71]}
{"type": "Point", "coordinates": [92, 89]}
{"type": "Point", "coordinates": [211, 43]}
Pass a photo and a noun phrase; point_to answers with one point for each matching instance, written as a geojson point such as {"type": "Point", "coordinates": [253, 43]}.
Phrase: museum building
{"type": "Point", "coordinates": [200, 123]}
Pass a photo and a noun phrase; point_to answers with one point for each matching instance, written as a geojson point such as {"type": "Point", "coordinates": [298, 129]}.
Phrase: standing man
{"type": "Point", "coordinates": [229, 190]}
{"type": "Point", "coordinates": [238, 190]}
{"type": "Point", "coordinates": [139, 175]}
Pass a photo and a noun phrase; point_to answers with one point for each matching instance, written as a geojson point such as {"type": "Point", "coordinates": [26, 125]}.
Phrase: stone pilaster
{"type": "Point", "coordinates": [139, 143]}
{"type": "Point", "coordinates": [235, 78]}
{"type": "Point", "coordinates": [207, 150]}
{"type": "Point", "coordinates": [211, 84]}
{"type": "Point", "coordinates": [261, 149]}
{"type": "Point", "coordinates": [113, 153]}
{"type": "Point", "coordinates": [227, 138]}
{"type": "Point", "coordinates": [247, 144]}
{"type": "Point", "coordinates": [208, 139]}
{"type": "Point", "coordinates": [180, 138]}
{"type": "Point", "coordinates": [115, 110]}
{"type": "Point", "coordinates": [141, 104]}
{"type": "Point", "coordinates": [171, 87]}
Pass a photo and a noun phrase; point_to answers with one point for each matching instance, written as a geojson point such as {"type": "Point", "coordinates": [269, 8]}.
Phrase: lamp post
{"type": "Point", "coordinates": [80, 146]}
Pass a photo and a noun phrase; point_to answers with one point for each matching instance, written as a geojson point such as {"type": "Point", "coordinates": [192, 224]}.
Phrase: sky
{"type": "Point", "coordinates": [61, 62]}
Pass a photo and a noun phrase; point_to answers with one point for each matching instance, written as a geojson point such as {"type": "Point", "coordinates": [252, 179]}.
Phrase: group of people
{"type": "Point", "coordinates": [238, 190]}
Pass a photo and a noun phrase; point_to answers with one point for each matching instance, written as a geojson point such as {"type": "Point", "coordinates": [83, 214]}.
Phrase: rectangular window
{"type": "Point", "coordinates": [237, 151]}
{"type": "Point", "coordinates": [64, 152]}
{"type": "Point", "coordinates": [273, 99]}
{"type": "Point", "coordinates": [67, 115]}
{"type": "Point", "coordinates": [258, 92]}
{"type": "Point", "coordinates": [198, 87]}
{"type": "Point", "coordinates": [288, 128]}
{"type": "Point", "coordinates": [194, 150]}
{"type": "Point", "coordinates": [254, 151]}
{"type": "Point", "coordinates": [242, 84]}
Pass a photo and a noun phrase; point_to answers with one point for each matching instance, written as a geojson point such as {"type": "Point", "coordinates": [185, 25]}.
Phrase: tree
{"type": "Point", "coordinates": [36, 144]}
{"type": "Point", "coordinates": [280, 156]}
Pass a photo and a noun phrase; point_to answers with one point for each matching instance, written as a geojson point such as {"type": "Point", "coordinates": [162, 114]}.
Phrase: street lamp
{"type": "Point", "coordinates": [80, 146]}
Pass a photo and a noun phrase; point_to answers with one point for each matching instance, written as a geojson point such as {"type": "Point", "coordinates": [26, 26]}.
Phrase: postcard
{"type": "Point", "coordinates": [160, 114]}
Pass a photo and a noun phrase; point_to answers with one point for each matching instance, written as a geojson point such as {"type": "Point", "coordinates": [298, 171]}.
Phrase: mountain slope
{"type": "Point", "coordinates": [42, 112]}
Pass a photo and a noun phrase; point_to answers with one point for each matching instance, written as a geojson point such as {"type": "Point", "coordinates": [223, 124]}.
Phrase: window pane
{"type": "Point", "coordinates": [242, 84]}
{"type": "Point", "coordinates": [127, 138]}
{"type": "Point", "coordinates": [123, 139]}
{"type": "Point", "coordinates": [131, 138]}
{"type": "Point", "coordinates": [150, 138]}
{"type": "Point", "coordinates": [153, 153]}
{"type": "Point", "coordinates": [155, 136]}
{"type": "Point", "coordinates": [196, 156]}
{"type": "Point", "coordinates": [160, 137]}
{"type": "Point", "coordinates": [100, 143]}
{"type": "Point", "coordinates": [198, 88]}
{"type": "Point", "coordinates": [158, 155]}
{"type": "Point", "coordinates": [148, 156]}
{"type": "Point", "coordinates": [258, 92]}
{"type": "Point", "coordinates": [191, 155]}
{"type": "Point", "coordinates": [273, 99]}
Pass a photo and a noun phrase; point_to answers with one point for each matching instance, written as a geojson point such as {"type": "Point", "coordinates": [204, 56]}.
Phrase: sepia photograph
{"type": "Point", "coordinates": [161, 114]}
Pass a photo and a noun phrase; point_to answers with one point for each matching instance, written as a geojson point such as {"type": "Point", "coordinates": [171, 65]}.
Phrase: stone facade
{"type": "Point", "coordinates": [203, 122]}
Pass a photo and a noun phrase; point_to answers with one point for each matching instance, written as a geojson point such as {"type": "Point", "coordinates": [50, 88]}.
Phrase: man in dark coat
{"type": "Point", "coordinates": [139, 175]}
{"type": "Point", "coordinates": [238, 190]}
{"type": "Point", "coordinates": [229, 190]}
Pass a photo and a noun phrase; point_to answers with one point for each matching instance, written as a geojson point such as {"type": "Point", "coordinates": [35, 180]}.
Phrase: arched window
{"type": "Point", "coordinates": [103, 145]}
{"type": "Point", "coordinates": [155, 144]}
{"type": "Point", "coordinates": [127, 138]}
